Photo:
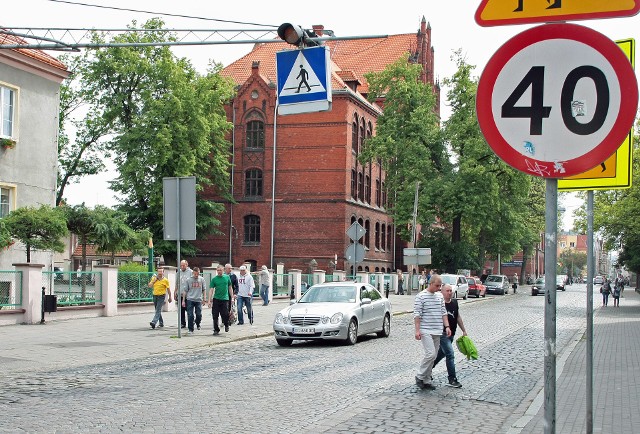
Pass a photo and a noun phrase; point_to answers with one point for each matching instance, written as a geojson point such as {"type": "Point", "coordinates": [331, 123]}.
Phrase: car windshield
{"type": "Point", "coordinates": [471, 281]}
{"type": "Point", "coordinates": [540, 280]}
{"type": "Point", "coordinates": [330, 294]}
{"type": "Point", "coordinates": [494, 279]}
{"type": "Point", "coordinates": [448, 279]}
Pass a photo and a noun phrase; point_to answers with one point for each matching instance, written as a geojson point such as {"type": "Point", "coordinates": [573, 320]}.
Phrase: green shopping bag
{"type": "Point", "coordinates": [467, 347]}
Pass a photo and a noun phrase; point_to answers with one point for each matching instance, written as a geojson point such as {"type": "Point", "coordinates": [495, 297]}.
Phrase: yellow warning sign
{"type": "Point", "coordinates": [616, 171]}
{"type": "Point", "coordinates": [503, 12]}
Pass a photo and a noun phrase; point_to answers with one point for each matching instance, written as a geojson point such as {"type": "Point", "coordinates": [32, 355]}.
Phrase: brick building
{"type": "Point", "coordinates": [319, 188]}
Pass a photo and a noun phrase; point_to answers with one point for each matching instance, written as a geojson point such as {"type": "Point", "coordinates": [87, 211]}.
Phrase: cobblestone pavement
{"type": "Point", "coordinates": [256, 386]}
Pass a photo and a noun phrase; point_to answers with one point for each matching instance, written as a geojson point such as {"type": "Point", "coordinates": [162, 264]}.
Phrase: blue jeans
{"type": "Point", "coordinates": [158, 302]}
{"type": "Point", "coordinates": [192, 306]}
{"type": "Point", "coordinates": [446, 350]}
{"type": "Point", "coordinates": [605, 298]}
{"type": "Point", "coordinates": [246, 301]}
{"type": "Point", "coordinates": [264, 293]}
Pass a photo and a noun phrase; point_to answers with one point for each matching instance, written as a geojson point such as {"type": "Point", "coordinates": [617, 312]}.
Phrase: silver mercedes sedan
{"type": "Point", "coordinates": [334, 311]}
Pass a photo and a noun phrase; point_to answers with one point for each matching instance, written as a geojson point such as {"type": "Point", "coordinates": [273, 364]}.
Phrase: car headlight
{"type": "Point", "coordinates": [324, 319]}
{"type": "Point", "coordinates": [279, 318]}
{"type": "Point", "coordinates": [336, 318]}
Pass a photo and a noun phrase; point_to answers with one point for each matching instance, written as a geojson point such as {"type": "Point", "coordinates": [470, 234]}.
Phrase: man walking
{"type": "Point", "coordinates": [264, 285]}
{"type": "Point", "coordinates": [160, 285]}
{"type": "Point", "coordinates": [220, 295]}
{"type": "Point", "coordinates": [245, 294]}
{"type": "Point", "coordinates": [183, 274]}
{"type": "Point", "coordinates": [446, 343]}
{"type": "Point", "coordinates": [429, 317]}
{"type": "Point", "coordinates": [192, 295]}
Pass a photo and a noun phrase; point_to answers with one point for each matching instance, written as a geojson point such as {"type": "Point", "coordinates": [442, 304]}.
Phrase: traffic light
{"type": "Point", "coordinates": [296, 35]}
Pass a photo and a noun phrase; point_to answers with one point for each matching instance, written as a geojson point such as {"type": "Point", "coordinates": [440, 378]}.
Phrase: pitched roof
{"type": "Point", "coordinates": [31, 52]}
{"type": "Point", "coordinates": [351, 58]}
{"type": "Point", "coordinates": [92, 251]}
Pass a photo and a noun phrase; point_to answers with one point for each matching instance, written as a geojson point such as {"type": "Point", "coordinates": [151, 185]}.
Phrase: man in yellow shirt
{"type": "Point", "coordinates": [160, 285]}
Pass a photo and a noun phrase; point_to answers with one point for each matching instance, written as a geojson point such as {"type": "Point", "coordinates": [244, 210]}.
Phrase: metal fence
{"type": "Point", "coordinates": [133, 287]}
{"type": "Point", "coordinates": [74, 288]}
{"type": "Point", "coordinates": [10, 289]}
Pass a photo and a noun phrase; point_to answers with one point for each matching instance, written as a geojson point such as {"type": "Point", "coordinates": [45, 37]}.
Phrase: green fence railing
{"type": "Point", "coordinates": [74, 288]}
{"type": "Point", "coordinates": [133, 286]}
{"type": "Point", "coordinates": [10, 289]}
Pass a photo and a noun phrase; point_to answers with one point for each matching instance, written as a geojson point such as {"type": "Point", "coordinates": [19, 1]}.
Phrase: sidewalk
{"type": "Point", "coordinates": [75, 342]}
{"type": "Point", "coordinates": [616, 374]}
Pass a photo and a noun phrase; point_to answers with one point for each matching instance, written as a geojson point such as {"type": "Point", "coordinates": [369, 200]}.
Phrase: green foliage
{"type": "Point", "coordinates": [5, 236]}
{"type": "Point", "coordinates": [132, 267]}
{"type": "Point", "coordinates": [408, 142]}
{"type": "Point", "coordinates": [37, 228]}
{"type": "Point", "coordinates": [164, 120]}
{"type": "Point", "coordinates": [571, 262]}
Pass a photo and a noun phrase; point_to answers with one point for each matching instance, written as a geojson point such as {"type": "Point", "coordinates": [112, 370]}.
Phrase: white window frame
{"type": "Point", "coordinates": [14, 110]}
{"type": "Point", "coordinates": [12, 196]}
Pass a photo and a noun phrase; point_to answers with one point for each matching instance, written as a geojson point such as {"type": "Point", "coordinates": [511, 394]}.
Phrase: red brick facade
{"type": "Point", "coordinates": [315, 163]}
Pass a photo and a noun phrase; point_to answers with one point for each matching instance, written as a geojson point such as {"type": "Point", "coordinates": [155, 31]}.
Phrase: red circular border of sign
{"type": "Point", "coordinates": [607, 48]}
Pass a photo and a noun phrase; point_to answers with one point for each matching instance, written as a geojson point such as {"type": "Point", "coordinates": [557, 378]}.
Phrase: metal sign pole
{"type": "Point", "coordinates": [550, 258]}
{"type": "Point", "coordinates": [590, 274]}
{"type": "Point", "coordinates": [178, 236]}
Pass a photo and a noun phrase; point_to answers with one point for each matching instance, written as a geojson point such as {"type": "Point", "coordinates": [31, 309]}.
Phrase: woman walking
{"type": "Point", "coordinates": [605, 289]}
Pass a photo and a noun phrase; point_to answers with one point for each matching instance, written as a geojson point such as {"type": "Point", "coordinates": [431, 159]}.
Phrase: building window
{"type": "Point", "coordinates": [7, 199]}
{"type": "Point", "coordinates": [377, 236]}
{"type": "Point", "coordinates": [7, 102]}
{"type": "Point", "coordinates": [572, 244]}
{"type": "Point", "coordinates": [389, 236]}
{"type": "Point", "coordinates": [361, 137]}
{"type": "Point", "coordinates": [361, 186]}
{"type": "Point", "coordinates": [367, 237]}
{"type": "Point", "coordinates": [361, 223]}
{"type": "Point", "coordinates": [353, 183]}
{"type": "Point", "coordinates": [384, 196]}
{"type": "Point", "coordinates": [354, 135]}
{"type": "Point", "coordinates": [252, 229]}
{"type": "Point", "coordinates": [255, 134]}
{"type": "Point", "coordinates": [253, 182]}
{"type": "Point", "coordinates": [383, 237]}
{"type": "Point", "coordinates": [367, 189]}
{"type": "Point", "coordinates": [378, 192]}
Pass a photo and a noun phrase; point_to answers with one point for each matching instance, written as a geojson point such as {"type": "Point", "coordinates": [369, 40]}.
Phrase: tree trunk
{"type": "Point", "coordinates": [28, 253]}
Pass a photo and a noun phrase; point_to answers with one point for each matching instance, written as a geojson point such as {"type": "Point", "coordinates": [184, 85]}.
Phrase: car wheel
{"type": "Point", "coordinates": [465, 296]}
{"type": "Point", "coordinates": [386, 327]}
{"type": "Point", "coordinates": [352, 333]}
{"type": "Point", "coordinates": [455, 295]}
{"type": "Point", "coordinates": [284, 342]}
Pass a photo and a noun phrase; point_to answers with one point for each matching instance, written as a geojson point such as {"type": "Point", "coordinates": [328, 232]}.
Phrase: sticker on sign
{"type": "Point", "coordinates": [556, 100]}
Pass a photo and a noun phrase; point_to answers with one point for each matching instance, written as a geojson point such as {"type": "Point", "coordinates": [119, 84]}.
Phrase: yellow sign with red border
{"type": "Point", "coordinates": [616, 171]}
{"type": "Point", "coordinates": [505, 12]}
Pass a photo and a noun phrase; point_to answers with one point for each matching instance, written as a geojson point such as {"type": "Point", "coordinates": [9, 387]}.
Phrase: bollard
{"type": "Point", "coordinates": [42, 307]}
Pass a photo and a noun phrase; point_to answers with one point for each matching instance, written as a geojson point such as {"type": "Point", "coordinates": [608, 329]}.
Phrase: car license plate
{"type": "Point", "coordinates": [304, 331]}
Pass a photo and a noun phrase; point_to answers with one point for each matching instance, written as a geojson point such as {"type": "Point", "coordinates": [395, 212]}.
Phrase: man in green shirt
{"type": "Point", "coordinates": [219, 299]}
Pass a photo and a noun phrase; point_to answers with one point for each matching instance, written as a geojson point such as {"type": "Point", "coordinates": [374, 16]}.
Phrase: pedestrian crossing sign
{"type": "Point", "coordinates": [304, 80]}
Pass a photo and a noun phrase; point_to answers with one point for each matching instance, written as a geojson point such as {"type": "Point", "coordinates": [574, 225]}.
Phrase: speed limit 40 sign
{"type": "Point", "coordinates": [557, 100]}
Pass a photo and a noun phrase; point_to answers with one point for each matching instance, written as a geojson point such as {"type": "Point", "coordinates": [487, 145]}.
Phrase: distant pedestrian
{"type": "Point", "coordinates": [234, 279]}
{"type": "Point", "coordinates": [446, 343]}
{"type": "Point", "coordinates": [219, 299]}
{"type": "Point", "coordinates": [605, 290]}
{"type": "Point", "coordinates": [422, 282]}
{"type": "Point", "coordinates": [193, 292]}
{"type": "Point", "coordinates": [265, 280]}
{"type": "Point", "coordinates": [245, 294]}
{"type": "Point", "coordinates": [429, 317]}
{"type": "Point", "coordinates": [160, 285]}
{"type": "Point", "coordinates": [400, 282]}
{"type": "Point", "coordinates": [184, 273]}
{"type": "Point", "coordinates": [617, 291]}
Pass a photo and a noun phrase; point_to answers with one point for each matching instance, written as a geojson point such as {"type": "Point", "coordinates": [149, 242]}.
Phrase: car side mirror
{"type": "Point", "coordinates": [365, 301]}
{"type": "Point", "coordinates": [294, 301]}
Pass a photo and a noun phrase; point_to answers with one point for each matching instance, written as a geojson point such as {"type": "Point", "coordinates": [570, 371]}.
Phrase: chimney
{"type": "Point", "coordinates": [318, 29]}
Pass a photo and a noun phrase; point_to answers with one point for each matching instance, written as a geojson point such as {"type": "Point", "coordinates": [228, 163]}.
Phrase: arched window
{"type": "Point", "coordinates": [361, 222]}
{"type": "Point", "coordinates": [384, 196]}
{"type": "Point", "coordinates": [377, 236]}
{"type": "Point", "coordinates": [252, 229]}
{"type": "Point", "coordinates": [378, 192]}
{"type": "Point", "coordinates": [354, 135]}
{"type": "Point", "coordinates": [367, 189]}
{"type": "Point", "coordinates": [361, 137]}
{"type": "Point", "coordinates": [383, 237]}
{"type": "Point", "coordinates": [367, 237]}
{"type": "Point", "coordinates": [255, 134]}
{"type": "Point", "coordinates": [354, 184]}
{"type": "Point", "coordinates": [253, 182]}
{"type": "Point", "coordinates": [390, 235]}
{"type": "Point", "coordinates": [361, 186]}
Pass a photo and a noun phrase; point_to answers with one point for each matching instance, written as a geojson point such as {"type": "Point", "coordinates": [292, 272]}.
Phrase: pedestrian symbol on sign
{"type": "Point", "coordinates": [303, 79]}
{"type": "Point", "coordinates": [298, 79]}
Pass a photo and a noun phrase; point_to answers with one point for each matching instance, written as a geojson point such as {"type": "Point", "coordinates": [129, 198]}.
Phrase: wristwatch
{"type": "Point", "coordinates": [447, 327]}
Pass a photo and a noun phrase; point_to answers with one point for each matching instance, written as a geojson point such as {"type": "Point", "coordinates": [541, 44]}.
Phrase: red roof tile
{"type": "Point", "coordinates": [31, 52]}
{"type": "Point", "coordinates": [91, 251]}
{"type": "Point", "coordinates": [351, 58]}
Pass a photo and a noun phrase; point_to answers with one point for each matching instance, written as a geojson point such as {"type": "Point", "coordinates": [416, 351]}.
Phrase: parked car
{"type": "Point", "coordinates": [538, 286]}
{"type": "Point", "coordinates": [334, 311]}
{"type": "Point", "coordinates": [598, 280]}
{"type": "Point", "coordinates": [476, 287]}
{"type": "Point", "coordinates": [458, 284]}
{"type": "Point", "coordinates": [497, 284]}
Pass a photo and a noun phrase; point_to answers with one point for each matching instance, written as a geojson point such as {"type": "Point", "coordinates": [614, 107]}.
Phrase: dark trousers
{"type": "Point", "coordinates": [220, 308]}
{"type": "Point", "coordinates": [194, 311]}
{"type": "Point", "coordinates": [183, 318]}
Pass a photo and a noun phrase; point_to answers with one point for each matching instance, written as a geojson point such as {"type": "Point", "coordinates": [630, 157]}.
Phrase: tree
{"type": "Point", "coordinates": [164, 120]}
{"type": "Point", "coordinates": [112, 234]}
{"type": "Point", "coordinates": [571, 262]}
{"type": "Point", "coordinates": [407, 143]}
{"type": "Point", "coordinates": [80, 221]}
{"type": "Point", "coordinates": [5, 236]}
{"type": "Point", "coordinates": [37, 228]}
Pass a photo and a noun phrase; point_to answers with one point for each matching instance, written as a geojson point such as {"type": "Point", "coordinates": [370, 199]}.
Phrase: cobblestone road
{"type": "Point", "coordinates": [256, 386]}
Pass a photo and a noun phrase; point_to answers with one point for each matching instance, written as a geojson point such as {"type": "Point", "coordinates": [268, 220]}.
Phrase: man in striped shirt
{"type": "Point", "coordinates": [429, 317]}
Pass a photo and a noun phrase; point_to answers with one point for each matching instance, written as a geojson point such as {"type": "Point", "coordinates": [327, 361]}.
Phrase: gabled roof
{"type": "Point", "coordinates": [92, 251]}
{"type": "Point", "coordinates": [351, 58]}
{"type": "Point", "coordinates": [31, 52]}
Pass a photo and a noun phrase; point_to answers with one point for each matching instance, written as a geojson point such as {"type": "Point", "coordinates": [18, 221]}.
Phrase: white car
{"type": "Point", "coordinates": [458, 283]}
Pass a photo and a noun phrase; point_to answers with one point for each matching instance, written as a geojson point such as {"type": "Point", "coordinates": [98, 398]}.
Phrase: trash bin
{"type": "Point", "coordinates": [50, 303]}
